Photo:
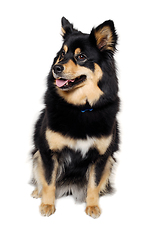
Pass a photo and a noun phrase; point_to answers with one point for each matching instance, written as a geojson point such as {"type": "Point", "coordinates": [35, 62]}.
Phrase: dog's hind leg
{"type": "Point", "coordinates": [94, 190]}
{"type": "Point", "coordinates": [35, 176]}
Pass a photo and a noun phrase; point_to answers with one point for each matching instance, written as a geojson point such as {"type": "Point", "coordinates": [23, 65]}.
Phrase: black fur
{"type": "Point", "coordinates": [68, 119]}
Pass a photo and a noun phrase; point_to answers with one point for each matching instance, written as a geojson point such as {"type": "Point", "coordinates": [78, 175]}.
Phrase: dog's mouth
{"type": "Point", "coordinates": [66, 84]}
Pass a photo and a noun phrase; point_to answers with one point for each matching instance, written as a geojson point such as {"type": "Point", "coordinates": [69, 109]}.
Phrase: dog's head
{"type": "Point", "coordinates": [84, 67]}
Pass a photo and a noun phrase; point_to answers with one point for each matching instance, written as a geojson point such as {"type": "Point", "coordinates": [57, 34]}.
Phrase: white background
{"type": "Point", "coordinates": [29, 40]}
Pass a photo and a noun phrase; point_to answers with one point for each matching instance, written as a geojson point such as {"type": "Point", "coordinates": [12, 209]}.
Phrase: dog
{"type": "Point", "coordinates": [77, 132]}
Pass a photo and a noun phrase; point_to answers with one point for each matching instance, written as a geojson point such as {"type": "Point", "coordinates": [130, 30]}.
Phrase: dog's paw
{"type": "Point", "coordinates": [93, 211]}
{"type": "Point", "coordinates": [46, 209]}
{"type": "Point", "coordinates": [36, 194]}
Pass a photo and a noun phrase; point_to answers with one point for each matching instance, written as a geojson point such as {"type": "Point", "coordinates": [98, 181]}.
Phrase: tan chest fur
{"type": "Point", "coordinates": [57, 142]}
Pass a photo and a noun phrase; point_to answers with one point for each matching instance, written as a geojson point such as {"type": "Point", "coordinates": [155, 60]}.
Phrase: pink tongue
{"type": "Point", "coordinates": [61, 83]}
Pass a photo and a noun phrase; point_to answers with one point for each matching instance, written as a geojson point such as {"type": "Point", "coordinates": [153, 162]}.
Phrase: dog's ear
{"type": "Point", "coordinates": [105, 36]}
{"type": "Point", "coordinates": [67, 27]}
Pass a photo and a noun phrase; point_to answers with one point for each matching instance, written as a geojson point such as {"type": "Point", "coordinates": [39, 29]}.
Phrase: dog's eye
{"type": "Point", "coordinates": [63, 53]}
{"type": "Point", "coordinates": [81, 57]}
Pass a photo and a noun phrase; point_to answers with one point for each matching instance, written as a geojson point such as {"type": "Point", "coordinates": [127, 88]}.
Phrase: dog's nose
{"type": "Point", "coordinates": [58, 69]}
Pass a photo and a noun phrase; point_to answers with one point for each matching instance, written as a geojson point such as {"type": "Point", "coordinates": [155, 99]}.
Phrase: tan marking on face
{"type": "Point", "coordinates": [104, 38]}
{"type": "Point", "coordinates": [77, 51]}
{"type": "Point", "coordinates": [70, 70]}
{"type": "Point", "coordinates": [57, 62]}
{"type": "Point", "coordinates": [57, 142]}
{"type": "Point", "coordinates": [87, 90]}
{"type": "Point", "coordinates": [60, 58]}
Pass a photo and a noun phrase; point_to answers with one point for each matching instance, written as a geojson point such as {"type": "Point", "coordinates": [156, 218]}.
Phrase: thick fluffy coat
{"type": "Point", "coordinates": [76, 134]}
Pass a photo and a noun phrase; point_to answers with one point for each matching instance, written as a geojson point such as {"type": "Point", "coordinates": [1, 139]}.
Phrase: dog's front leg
{"type": "Point", "coordinates": [47, 186]}
{"type": "Point", "coordinates": [94, 189]}
{"type": "Point", "coordinates": [92, 200]}
{"type": "Point", "coordinates": [47, 206]}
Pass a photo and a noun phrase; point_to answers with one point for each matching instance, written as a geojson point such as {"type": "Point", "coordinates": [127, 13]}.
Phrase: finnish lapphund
{"type": "Point", "coordinates": [76, 135]}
